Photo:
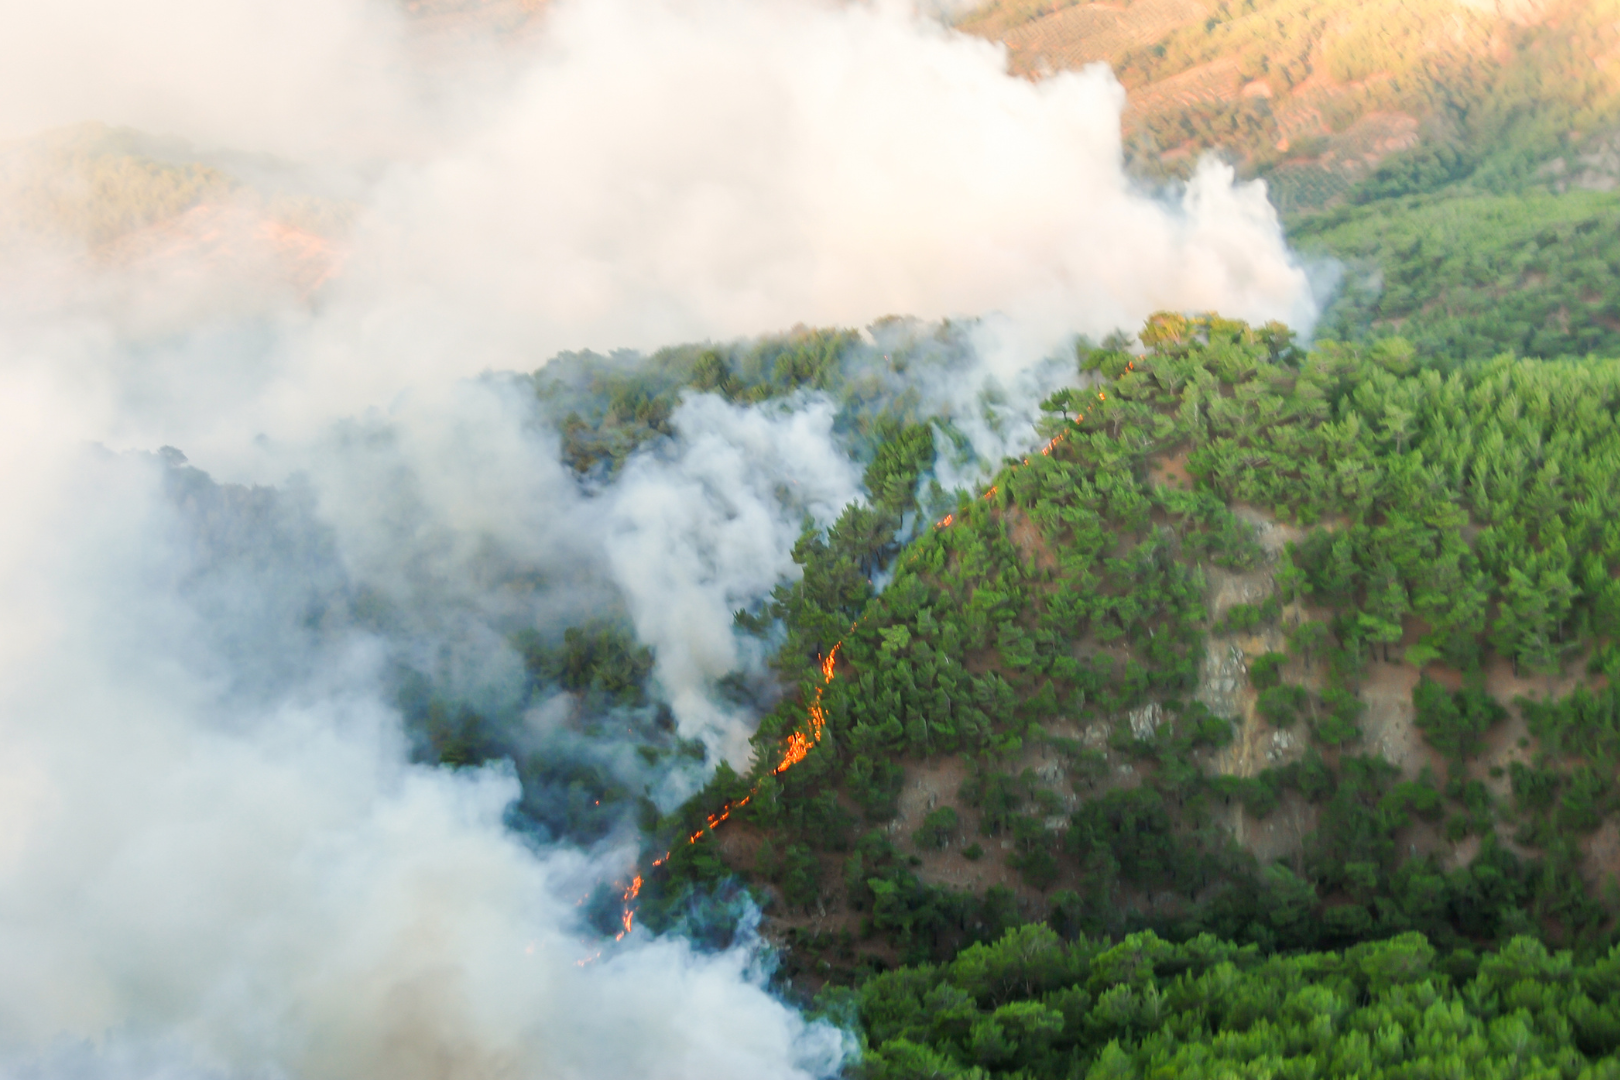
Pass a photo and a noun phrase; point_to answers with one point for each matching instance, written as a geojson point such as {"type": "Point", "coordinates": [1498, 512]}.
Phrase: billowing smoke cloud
{"type": "Point", "coordinates": [671, 171]}
{"type": "Point", "coordinates": [215, 853]}
{"type": "Point", "coordinates": [698, 537]}
{"type": "Point", "coordinates": [264, 880]}
{"type": "Point", "coordinates": [647, 171]}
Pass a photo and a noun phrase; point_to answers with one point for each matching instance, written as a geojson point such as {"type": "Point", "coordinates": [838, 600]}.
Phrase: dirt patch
{"type": "Point", "coordinates": [1281, 833]}
{"type": "Point", "coordinates": [1272, 535]}
{"type": "Point", "coordinates": [1462, 853]}
{"type": "Point", "coordinates": [739, 847]}
{"type": "Point", "coordinates": [1297, 119]}
{"type": "Point", "coordinates": [1510, 741]}
{"type": "Point", "coordinates": [1375, 136]}
{"type": "Point", "coordinates": [1229, 588]}
{"type": "Point", "coordinates": [1027, 538]}
{"type": "Point", "coordinates": [1425, 839]}
{"type": "Point", "coordinates": [1506, 684]}
{"type": "Point", "coordinates": [932, 784]}
{"type": "Point", "coordinates": [928, 786]}
{"type": "Point", "coordinates": [1170, 470]}
{"type": "Point", "coordinates": [1387, 728]}
{"type": "Point", "coordinates": [1601, 866]}
{"type": "Point", "coordinates": [1328, 162]}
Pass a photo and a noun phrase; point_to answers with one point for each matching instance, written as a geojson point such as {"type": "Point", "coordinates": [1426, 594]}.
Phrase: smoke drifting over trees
{"type": "Point", "coordinates": [222, 848]}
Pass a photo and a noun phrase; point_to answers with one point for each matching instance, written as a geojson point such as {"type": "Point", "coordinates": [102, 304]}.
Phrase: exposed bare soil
{"type": "Point", "coordinates": [1600, 869]}
{"type": "Point", "coordinates": [1028, 539]}
{"type": "Point", "coordinates": [1281, 833]}
{"type": "Point", "coordinates": [1386, 727]}
{"type": "Point", "coordinates": [1170, 470]}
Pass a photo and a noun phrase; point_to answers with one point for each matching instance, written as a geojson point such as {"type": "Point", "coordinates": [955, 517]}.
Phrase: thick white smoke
{"type": "Point", "coordinates": [669, 171]}
{"type": "Point", "coordinates": [268, 884]}
{"type": "Point", "coordinates": [214, 855]}
{"type": "Point", "coordinates": [651, 170]}
{"type": "Point", "coordinates": [700, 535]}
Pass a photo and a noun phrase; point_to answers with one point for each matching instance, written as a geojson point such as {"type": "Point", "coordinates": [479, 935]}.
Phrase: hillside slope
{"type": "Point", "coordinates": [1315, 94]}
{"type": "Point", "coordinates": [1295, 648]}
{"type": "Point", "coordinates": [1459, 160]}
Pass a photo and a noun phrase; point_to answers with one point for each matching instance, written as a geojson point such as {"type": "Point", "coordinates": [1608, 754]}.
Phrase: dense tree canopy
{"type": "Point", "coordinates": [1441, 520]}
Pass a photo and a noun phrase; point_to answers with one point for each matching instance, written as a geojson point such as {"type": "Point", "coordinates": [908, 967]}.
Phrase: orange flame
{"type": "Point", "coordinates": [945, 522]}
{"type": "Point", "coordinates": [799, 743]}
{"type": "Point", "coordinates": [715, 819]}
{"type": "Point", "coordinates": [798, 748]}
{"type": "Point", "coordinates": [631, 891]}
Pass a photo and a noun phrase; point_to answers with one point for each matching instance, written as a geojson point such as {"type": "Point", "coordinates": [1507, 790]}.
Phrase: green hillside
{"type": "Point", "coordinates": [1462, 160]}
{"type": "Point", "coordinates": [1468, 275]}
{"type": "Point", "coordinates": [1033, 1005]}
{"type": "Point", "coordinates": [1275, 650]}
{"type": "Point", "coordinates": [1315, 94]}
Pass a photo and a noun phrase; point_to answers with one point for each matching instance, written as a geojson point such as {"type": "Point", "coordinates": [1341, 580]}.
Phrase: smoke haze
{"type": "Point", "coordinates": [217, 856]}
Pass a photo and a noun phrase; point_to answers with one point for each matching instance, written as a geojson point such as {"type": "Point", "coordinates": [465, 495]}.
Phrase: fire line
{"type": "Point", "coordinates": [800, 743]}
{"type": "Point", "coordinates": [799, 746]}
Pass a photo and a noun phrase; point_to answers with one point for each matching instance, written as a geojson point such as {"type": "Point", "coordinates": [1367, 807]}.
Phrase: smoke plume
{"type": "Point", "coordinates": [269, 519]}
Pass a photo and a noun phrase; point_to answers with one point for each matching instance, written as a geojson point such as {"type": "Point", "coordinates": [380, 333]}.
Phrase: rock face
{"type": "Point", "coordinates": [1146, 720]}
{"type": "Point", "coordinates": [1386, 723]}
{"type": "Point", "coordinates": [1223, 679]}
{"type": "Point", "coordinates": [1223, 684]}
